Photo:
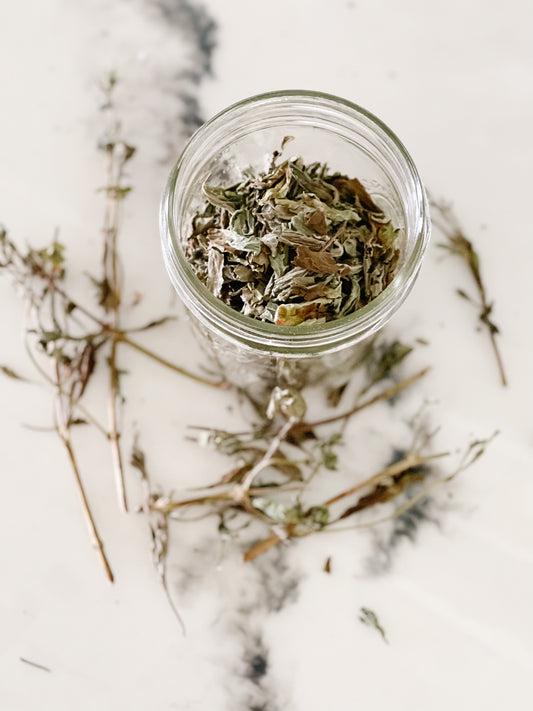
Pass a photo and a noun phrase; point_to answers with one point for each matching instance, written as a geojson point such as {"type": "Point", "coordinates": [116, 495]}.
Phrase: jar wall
{"type": "Point", "coordinates": [258, 372]}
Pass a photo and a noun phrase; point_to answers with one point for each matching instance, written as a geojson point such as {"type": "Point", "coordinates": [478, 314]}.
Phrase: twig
{"type": "Point", "coordinates": [461, 246]}
{"type": "Point", "coordinates": [410, 461]}
{"type": "Point", "coordinates": [64, 433]}
{"type": "Point", "coordinates": [114, 435]}
{"type": "Point", "coordinates": [414, 459]}
{"type": "Point", "coordinates": [474, 451]}
{"type": "Point", "coordinates": [121, 336]}
{"type": "Point", "coordinates": [172, 604]}
{"type": "Point", "coordinates": [34, 664]}
{"type": "Point", "coordinates": [167, 506]}
{"type": "Point", "coordinates": [74, 401]}
{"type": "Point", "coordinates": [75, 304]}
{"type": "Point", "coordinates": [111, 278]}
{"type": "Point", "coordinates": [383, 395]}
{"type": "Point", "coordinates": [267, 456]}
{"type": "Point", "coordinates": [158, 526]}
{"type": "Point", "coordinates": [159, 530]}
{"type": "Point", "coordinates": [261, 547]}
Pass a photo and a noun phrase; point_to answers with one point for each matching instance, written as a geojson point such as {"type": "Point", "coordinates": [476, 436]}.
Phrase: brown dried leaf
{"type": "Point", "coordinates": [318, 262]}
{"type": "Point", "coordinates": [298, 239]}
{"type": "Point", "coordinates": [294, 314]}
{"type": "Point", "coordinates": [11, 373]}
{"type": "Point", "coordinates": [384, 492]}
{"type": "Point", "coordinates": [352, 190]}
{"type": "Point", "coordinates": [86, 366]}
{"type": "Point", "coordinates": [317, 222]}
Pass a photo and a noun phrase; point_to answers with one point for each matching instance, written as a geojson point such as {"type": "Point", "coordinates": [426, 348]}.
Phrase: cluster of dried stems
{"type": "Point", "coordinates": [65, 339]}
{"type": "Point", "coordinates": [274, 463]}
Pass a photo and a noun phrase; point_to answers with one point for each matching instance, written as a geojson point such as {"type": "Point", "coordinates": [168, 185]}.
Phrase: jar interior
{"type": "Point", "coordinates": [328, 130]}
{"type": "Point", "coordinates": [250, 147]}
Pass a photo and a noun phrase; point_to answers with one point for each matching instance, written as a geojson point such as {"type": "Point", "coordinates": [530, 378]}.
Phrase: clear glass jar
{"type": "Point", "coordinates": [327, 129]}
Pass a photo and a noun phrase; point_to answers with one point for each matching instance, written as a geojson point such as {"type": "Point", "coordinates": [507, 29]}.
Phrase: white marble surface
{"type": "Point", "coordinates": [453, 79]}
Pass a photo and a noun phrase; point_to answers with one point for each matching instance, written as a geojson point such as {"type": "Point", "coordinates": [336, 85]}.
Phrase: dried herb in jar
{"type": "Point", "coordinates": [293, 244]}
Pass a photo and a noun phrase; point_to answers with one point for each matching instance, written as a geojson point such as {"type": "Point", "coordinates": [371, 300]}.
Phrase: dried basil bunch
{"type": "Point", "coordinates": [293, 244]}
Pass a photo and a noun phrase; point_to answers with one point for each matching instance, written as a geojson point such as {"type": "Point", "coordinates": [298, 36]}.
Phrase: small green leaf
{"type": "Point", "coordinates": [369, 617]}
{"type": "Point", "coordinates": [226, 199]}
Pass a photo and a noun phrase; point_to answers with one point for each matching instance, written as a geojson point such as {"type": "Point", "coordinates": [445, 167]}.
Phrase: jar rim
{"type": "Point", "coordinates": [304, 339]}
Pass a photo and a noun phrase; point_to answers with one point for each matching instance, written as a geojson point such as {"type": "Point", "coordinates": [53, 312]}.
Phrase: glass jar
{"type": "Point", "coordinates": [326, 129]}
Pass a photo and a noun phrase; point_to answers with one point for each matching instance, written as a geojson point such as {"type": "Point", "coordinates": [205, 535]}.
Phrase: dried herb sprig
{"type": "Point", "coordinates": [385, 486]}
{"type": "Point", "coordinates": [158, 522]}
{"type": "Point", "coordinates": [64, 348]}
{"type": "Point", "coordinates": [281, 456]}
{"type": "Point", "coordinates": [283, 453]}
{"type": "Point", "coordinates": [471, 454]}
{"type": "Point", "coordinates": [456, 243]}
{"type": "Point", "coordinates": [368, 617]}
{"type": "Point", "coordinates": [64, 426]}
{"type": "Point", "coordinates": [35, 664]}
{"type": "Point", "coordinates": [385, 394]}
{"type": "Point", "coordinates": [54, 333]}
{"type": "Point", "coordinates": [65, 338]}
{"type": "Point", "coordinates": [118, 154]}
{"type": "Point", "coordinates": [273, 460]}
{"type": "Point", "coordinates": [293, 244]}
{"type": "Point", "coordinates": [381, 488]}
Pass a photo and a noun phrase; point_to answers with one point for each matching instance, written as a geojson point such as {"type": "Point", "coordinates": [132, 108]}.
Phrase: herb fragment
{"type": "Point", "coordinates": [383, 359]}
{"type": "Point", "coordinates": [274, 464]}
{"type": "Point", "coordinates": [294, 244]}
{"type": "Point", "coordinates": [10, 373]}
{"type": "Point", "coordinates": [158, 522]}
{"type": "Point", "coordinates": [35, 664]}
{"type": "Point", "coordinates": [64, 338]}
{"type": "Point", "coordinates": [456, 243]}
{"type": "Point", "coordinates": [369, 617]}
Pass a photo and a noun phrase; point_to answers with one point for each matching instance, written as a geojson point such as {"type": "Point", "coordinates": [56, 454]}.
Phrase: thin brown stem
{"type": "Point", "coordinates": [166, 507]}
{"type": "Point", "coordinates": [75, 402]}
{"type": "Point", "coordinates": [121, 336]}
{"type": "Point", "coordinates": [383, 395]}
{"type": "Point", "coordinates": [397, 512]}
{"type": "Point", "coordinates": [114, 434]}
{"type": "Point", "coordinates": [267, 456]}
{"type": "Point", "coordinates": [261, 547]}
{"type": "Point", "coordinates": [88, 415]}
{"type": "Point", "coordinates": [414, 459]}
{"type": "Point", "coordinates": [91, 526]}
{"type": "Point", "coordinates": [172, 604]}
{"type": "Point", "coordinates": [498, 356]}
{"type": "Point", "coordinates": [35, 664]}
{"type": "Point", "coordinates": [64, 433]}
{"type": "Point", "coordinates": [79, 307]}
{"type": "Point", "coordinates": [461, 246]}
{"type": "Point", "coordinates": [473, 265]}
{"type": "Point", "coordinates": [111, 275]}
{"type": "Point", "coordinates": [411, 460]}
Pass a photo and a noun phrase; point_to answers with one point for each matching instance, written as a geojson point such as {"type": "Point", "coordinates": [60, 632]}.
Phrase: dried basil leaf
{"type": "Point", "coordinates": [319, 262]}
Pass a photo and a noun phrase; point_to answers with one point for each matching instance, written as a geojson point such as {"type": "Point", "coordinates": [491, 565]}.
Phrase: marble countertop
{"type": "Point", "coordinates": [453, 587]}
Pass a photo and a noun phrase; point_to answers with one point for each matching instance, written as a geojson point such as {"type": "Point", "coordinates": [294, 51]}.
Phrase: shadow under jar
{"type": "Point", "coordinates": [259, 355]}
